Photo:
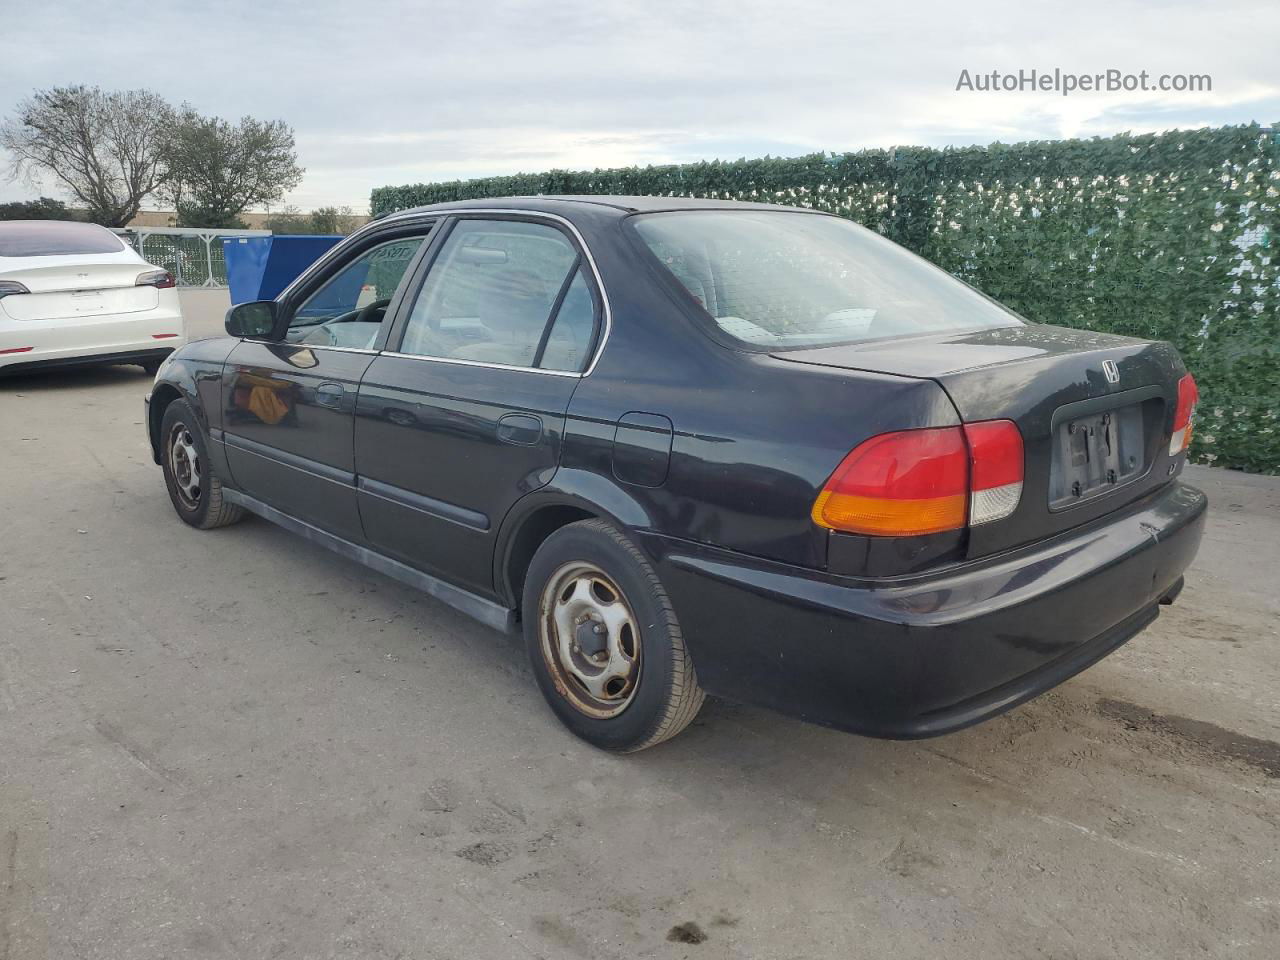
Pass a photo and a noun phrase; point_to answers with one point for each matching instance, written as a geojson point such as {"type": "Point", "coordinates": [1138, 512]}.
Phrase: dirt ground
{"type": "Point", "coordinates": [235, 744]}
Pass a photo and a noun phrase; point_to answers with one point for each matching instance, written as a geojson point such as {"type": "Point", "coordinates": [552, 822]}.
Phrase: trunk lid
{"type": "Point", "coordinates": [1095, 411]}
{"type": "Point", "coordinates": [78, 290]}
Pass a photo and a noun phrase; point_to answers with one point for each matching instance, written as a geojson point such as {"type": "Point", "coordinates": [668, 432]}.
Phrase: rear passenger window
{"type": "Point", "coordinates": [490, 294]}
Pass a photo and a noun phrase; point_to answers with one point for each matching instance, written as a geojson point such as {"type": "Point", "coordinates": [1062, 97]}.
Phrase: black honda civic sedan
{"type": "Point", "coordinates": [691, 446]}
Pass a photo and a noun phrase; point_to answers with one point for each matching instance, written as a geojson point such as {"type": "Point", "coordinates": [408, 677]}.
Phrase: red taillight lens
{"type": "Point", "coordinates": [925, 481]}
{"type": "Point", "coordinates": [161, 279]}
{"type": "Point", "coordinates": [1184, 415]}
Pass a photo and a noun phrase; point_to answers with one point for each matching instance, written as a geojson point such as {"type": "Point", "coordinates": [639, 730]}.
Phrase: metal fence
{"type": "Point", "coordinates": [193, 255]}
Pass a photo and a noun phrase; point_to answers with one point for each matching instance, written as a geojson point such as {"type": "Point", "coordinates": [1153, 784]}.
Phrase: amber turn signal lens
{"type": "Point", "coordinates": [884, 517]}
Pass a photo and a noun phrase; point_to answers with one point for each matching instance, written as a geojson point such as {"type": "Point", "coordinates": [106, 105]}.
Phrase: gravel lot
{"type": "Point", "coordinates": [235, 744]}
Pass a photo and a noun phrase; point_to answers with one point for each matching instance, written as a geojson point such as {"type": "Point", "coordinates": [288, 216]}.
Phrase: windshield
{"type": "Point", "coordinates": [796, 279]}
{"type": "Point", "coordinates": [55, 238]}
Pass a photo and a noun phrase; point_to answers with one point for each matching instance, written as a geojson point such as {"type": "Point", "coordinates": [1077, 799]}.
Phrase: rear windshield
{"type": "Point", "coordinates": [778, 279]}
{"type": "Point", "coordinates": [55, 238]}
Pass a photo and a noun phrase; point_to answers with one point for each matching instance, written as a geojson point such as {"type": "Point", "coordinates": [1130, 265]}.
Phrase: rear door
{"type": "Point", "coordinates": [289, 402]}
{"type": "Point", "coordinates": [467, 414]}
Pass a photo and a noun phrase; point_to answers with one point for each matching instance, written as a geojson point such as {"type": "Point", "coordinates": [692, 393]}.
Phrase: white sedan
{"type": "Point", "coordinates": [75, 293]}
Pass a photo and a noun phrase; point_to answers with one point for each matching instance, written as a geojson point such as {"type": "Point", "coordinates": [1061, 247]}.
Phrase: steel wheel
{"type": "Point", "coordinates": [185, 466]}
{"type": "Point", "coordinates": [589, 640]}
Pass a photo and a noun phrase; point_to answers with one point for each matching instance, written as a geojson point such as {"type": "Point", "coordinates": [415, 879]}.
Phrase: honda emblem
{"type": "Point", "coordinates": [1111, 371]}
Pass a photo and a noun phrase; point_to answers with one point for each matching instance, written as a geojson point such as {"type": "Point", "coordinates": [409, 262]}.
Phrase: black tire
{"type": "Point", "coordinates": [200, 504]}
{"type": "Point", "coordinates": [662, 695]}
{"type": "Point", "coordinates": [151, 366]}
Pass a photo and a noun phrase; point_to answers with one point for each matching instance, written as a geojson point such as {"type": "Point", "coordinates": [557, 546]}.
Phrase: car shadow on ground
{"type": "Point", "coordinates": [73, 378]}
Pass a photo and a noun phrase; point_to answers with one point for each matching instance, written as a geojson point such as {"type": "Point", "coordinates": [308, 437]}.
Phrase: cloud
{"type": "Point", "coordinates": [385, 92]}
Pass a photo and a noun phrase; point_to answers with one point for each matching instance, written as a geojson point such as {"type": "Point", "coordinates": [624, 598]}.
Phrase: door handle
{"type": "Point", "coordinates": [520, 429]}
{"type": "Point", "coordinates": [329, 394]}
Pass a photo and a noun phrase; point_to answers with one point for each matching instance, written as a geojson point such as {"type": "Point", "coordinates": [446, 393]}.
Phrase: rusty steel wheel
{"type": "Point", "coordinates": [603, 640]}
{"type": "Point", "coordinates": [590, 640]}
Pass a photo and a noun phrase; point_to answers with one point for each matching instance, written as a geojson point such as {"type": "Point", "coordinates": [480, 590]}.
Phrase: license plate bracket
{"type": "Point", "coordinates": [1094, 452]}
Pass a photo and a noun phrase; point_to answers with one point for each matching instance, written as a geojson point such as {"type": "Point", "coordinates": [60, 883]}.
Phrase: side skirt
{"type": "Point", "coordinates": [486, 611]}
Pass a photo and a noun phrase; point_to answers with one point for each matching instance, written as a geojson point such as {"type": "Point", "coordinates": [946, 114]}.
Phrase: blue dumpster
{"type": "Point", "coordinates": [258, 268]}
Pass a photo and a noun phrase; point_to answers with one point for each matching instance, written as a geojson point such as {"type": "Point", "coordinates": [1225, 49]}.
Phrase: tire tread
{"type": "Point", "coordinates": [221, 512]}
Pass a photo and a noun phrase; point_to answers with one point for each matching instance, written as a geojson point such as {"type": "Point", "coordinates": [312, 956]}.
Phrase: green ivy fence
{"type": "Point", "coordinates": [1169, 236]}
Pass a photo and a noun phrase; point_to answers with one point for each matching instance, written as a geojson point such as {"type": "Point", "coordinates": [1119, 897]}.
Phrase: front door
{"type": "Point", "coordinates": [289, 402]}
{"type": "Point", "coordinates": [467, 415]}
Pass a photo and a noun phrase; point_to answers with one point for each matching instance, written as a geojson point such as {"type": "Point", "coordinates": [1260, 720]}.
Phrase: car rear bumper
{"type": "Point", "coordinates": [122, 338]}
{"type": "Point", "coordinates": [922, 656]}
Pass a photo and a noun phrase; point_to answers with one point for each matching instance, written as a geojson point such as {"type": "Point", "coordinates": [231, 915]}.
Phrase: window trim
{"type": "Point", "coordinates": [600, 298]}
{"type": "Point", "coordinates": [553, 315]}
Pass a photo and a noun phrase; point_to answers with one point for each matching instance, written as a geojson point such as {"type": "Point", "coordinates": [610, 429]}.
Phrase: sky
{"type": "Point", "coordinates": [384, 93]}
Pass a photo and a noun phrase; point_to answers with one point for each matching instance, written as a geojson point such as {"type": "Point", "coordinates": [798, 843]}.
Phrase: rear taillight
{"type": "Point", "coordinates": [1184, 416]}
{"type": "Point", "coordinates": [995, 469]}
{"type": "Point", "coordinates": [9, 287]}
{"type": "Point", "coordinates": [161, 279]}
{"type": "Point", "coordinates": [915, 482]}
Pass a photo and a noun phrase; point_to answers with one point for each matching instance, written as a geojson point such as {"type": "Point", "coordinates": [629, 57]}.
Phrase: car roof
{"type": "Point", "coordinates": [623, 205]}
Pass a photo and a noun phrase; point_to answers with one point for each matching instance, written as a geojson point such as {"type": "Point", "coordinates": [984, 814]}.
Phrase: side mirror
{"type": "Point", "coordinates": [254, 319]}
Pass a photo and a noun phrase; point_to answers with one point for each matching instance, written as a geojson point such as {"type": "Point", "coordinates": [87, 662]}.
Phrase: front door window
{"type": "Point", "coordinates": [347, 310]}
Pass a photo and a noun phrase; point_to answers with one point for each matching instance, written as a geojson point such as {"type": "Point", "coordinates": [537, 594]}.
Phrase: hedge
{"type": "Point", "coordinates": [1168, 236]}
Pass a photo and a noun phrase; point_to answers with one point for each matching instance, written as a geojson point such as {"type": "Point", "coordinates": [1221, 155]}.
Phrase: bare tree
{"type": "Point", "coordinates": [106, 148]}
{"type": "Point", "coordinates": [217, 169]}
